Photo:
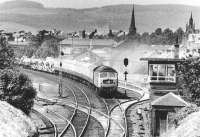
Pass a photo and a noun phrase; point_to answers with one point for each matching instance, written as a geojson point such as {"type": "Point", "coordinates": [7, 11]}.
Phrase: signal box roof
{"type": "Point", "coordinates": [104, 69]}
{"type": "Point", "coordinates": [170, 100]}
{"type": "Point", "coordinates": [162, 59]}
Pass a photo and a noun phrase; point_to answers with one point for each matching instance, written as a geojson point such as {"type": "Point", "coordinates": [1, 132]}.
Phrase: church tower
{"type": "Point", "coordinates": [191, 21]}
{"type": "Point", "coordinates": [132, 29]}
{"type": "Point", "coordinates": [190, 28]}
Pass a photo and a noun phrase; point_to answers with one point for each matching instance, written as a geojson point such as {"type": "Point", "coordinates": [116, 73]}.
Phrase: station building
{"type": "Point", "coordinates": [164, 93]}
{"type": "Point", "coordinates": [77, 46]}
{"type": "Point", "coordinates": [193, 43]}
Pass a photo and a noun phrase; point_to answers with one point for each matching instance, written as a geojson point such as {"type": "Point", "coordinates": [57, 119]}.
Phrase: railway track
{"type": "Point", "coordinates": [79, 100]}
{"type": "Point", "coordinates": [68, 127]}
{"type": "Point", "coordinates": [117, 105]}
{"type": "Point", "coordinates": [137, 122]}
{"type": "Point", "coordinates": [61, 124]}
{"type": "Point", "coordinates": [96, 102]}
{"type": "Point", "coordinates": [50, 127]}
{"type": "Point", "coordinates": [84, 99]}
{"type": "Point", "coordinates": [87, 115]}
{"type": "Point", "coordinates": [65, 131]}
{"type": "Point", "coordinates": [79, 118]}
{"type": "Point", "coordinates": [77, 123]}
{"type": "Point", "coordinates": [115, 110]}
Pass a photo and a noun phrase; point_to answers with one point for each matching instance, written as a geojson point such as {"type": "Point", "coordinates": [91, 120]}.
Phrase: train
{"type": "Point", "coordinates": [103, 79]}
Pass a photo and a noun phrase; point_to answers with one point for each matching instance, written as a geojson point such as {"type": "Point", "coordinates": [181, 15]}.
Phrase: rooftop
{"type": "Point", "coordinates": [171, 100]}
{"type": "Point", "coordinates": [87, 42]}
{"type": "Point", "coordinates": [104, 69]}
{"type": "Point", "coordinates": [163, 54]}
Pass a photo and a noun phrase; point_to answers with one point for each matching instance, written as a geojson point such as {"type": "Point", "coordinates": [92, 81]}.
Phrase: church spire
{"type": "Point", "coordinates": [191, 20]}
{"type": "Point", "coordinates": [132, 29]}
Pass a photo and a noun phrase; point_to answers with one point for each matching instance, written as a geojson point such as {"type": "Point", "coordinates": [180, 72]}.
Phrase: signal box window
{"type": "Point", "coordinates": [162, 73]}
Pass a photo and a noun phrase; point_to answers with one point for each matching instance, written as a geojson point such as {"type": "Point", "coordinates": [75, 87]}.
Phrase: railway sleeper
{"type": "Point", "coordinates": [45, 128]}
{"type": "Point", "coordinates": [47, 132]}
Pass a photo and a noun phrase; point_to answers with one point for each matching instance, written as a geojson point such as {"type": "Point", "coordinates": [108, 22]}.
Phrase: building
{"type": "Point", "coordinates": [164, 93]}
{"type": "Point", "coordinates": [192, 44]}
{"type": "Point", "coordinates": [161, 107]}
{"type": "Point", "coordinates": [190, 27]}
{"type": "Point", "coordinates": [132, 29]}
{"type": "Point", "coordinates": [78, 46]}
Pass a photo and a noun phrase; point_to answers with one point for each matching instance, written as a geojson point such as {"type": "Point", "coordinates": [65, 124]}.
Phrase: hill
{"type": "Point", "coordinates": [14, 27]}
{"type": "Point", "coordinates": [148, 17]}
{"type": "Point", "coordinates": [20, 3]}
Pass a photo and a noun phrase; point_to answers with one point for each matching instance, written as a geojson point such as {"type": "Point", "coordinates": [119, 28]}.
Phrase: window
{"type": "Point", "coordinates": [162, 72]}
{"type": "Point", "coordinates": [111, 74]}
{"type": "Point", "coordinates": [103, 74]}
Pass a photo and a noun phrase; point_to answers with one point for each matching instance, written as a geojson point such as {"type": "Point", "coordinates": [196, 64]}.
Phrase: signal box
{"type": "Point", "coordinates": [162, 76]}
{"type": "Point", "coordinates": [163, 89]}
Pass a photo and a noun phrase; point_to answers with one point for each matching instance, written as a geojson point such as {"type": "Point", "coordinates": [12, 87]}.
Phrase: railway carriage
{"type": "Point", "coordinates": [103, 78]}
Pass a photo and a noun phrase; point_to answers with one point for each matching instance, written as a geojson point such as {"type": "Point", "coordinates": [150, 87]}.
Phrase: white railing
{"type": "Point", "coordinates": [171, 79]}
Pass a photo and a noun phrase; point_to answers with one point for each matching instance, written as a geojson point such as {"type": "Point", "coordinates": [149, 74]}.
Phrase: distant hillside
{"type": "Point", "coordinates": [14, 27]}
{"type": "Point", "coordinates": [20, 3]}
{"type": "Point", "coordinates": [148, 17]}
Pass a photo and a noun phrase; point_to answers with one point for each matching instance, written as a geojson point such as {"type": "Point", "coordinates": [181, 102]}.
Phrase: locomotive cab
{"type": "Point", "coordinates": [105, 78]}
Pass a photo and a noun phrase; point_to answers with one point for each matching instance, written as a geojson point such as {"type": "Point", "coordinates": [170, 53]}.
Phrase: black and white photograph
{"type": "Point", "coordinates": [99, 68]}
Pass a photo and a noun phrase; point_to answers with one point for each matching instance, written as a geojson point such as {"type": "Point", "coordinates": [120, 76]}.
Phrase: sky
{"type": "Point", "coordinates": [99, 3]}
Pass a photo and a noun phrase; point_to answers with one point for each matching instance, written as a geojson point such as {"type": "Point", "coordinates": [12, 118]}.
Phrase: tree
{"type": "Point", "coordinates": [158, 31]}
{"type": "Point", "coordinates": [169, 37]}
{"type": "Point", "coordinates": [17, 90]}
{"type": "Point", "coordinates": [6, 54]}
{"type": "Point", "coordinates": [180, 33]}
{"type": "Point", "coordinates": [39, 43]}
{"type": "Point", "coordinates": [145, 38]}
{"type": "Point", "coordinates": [41, 35]}
{"type": "Point", "coordinates": [189, 79]}
{"type": "Point", "coordinates": [49, 48]}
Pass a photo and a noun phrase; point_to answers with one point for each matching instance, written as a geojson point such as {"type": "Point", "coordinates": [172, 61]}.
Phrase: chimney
{"type": "Point", "coordinates": [176, 49]}
{"type": "Point", "coordinates": [83, 34]}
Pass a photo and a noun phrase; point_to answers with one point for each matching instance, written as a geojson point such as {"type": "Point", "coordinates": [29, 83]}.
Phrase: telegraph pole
{"type": "Point", "coordinates": [60, 90]}
{"type": "Point", "coordinates": [91, 41]}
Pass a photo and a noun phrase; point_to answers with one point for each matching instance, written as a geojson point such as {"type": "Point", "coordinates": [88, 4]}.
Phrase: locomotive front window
{"type": "Point", "coordinates": [103, 74]}
{"type": "Point", "coordinates": [112, 74]}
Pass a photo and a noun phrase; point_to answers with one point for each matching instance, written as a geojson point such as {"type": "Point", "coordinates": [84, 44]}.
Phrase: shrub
{"type": "Point", "coordinates": [176, 118]}
{"type": "Point", "coordinates": [17, 90]}
{"type": "Point", "coordinates": [189, 73]}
